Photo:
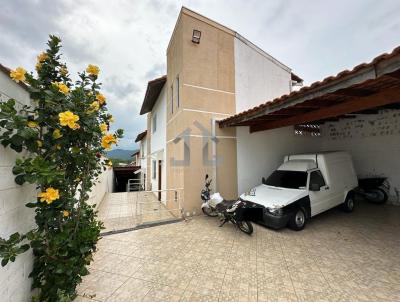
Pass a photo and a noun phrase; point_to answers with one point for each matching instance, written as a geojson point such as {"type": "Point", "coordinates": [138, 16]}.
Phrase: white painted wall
{"type": "Point", "coordinates": [104, 185]}
{"type": "Point", "coordinates": [14, 216]}
{"type": "Point", "coordinates": [143, 160]}
{"type": "Point", "coordinates": [159, 140]}
{"type": "Point", "coordinates": [260, 153]}
{"type": "Point", "coordinates": [258, 76]}
{"type": "Point", "coordinates": [374, 143]}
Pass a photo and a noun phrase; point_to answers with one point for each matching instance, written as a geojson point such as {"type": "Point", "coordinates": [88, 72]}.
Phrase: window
{"type": "Point", "coordinates": [287, 179]}
{"type": "Point", "coordinates": [172, 99]}
{"type": "Point", "coordinates": [317, 178]}
{"type": "Point", "coordinates": [177, 91]}
{"type": "Point", "coordinates": [154, 123]}
{"type": "Point", "coordinates": [154, 169]}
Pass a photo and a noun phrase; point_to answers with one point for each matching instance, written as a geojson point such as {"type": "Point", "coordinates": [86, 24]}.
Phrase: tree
{"type": "Point", "coordinates": [65, 132]}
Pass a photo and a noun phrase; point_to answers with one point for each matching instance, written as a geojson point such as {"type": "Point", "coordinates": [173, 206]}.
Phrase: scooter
{"type": "Point", "coordinates": [374, 189]}
{"type": "Point", "coordinates": [228, 210]}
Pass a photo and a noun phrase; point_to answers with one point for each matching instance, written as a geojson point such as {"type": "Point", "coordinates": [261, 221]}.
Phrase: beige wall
{"type": "Point", "coordinates": [206, 93]}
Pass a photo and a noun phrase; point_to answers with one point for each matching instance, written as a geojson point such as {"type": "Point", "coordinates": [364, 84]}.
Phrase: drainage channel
{"type": "Point", "coordinates": [142, 226]}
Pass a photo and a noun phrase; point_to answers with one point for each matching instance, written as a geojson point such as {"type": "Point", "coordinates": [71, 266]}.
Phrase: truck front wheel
{"type": "Point", "coordinates": [348, 204]}
{"type": "Point", "coordinates": [298, 220]}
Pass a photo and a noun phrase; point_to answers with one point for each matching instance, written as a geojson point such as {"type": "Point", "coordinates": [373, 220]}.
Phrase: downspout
{"type": "Point", "coordinates": [214, 152]}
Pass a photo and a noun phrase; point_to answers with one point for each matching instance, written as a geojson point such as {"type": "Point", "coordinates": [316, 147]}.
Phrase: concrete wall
{"type": "Point", "coordinates": [104, 185]}
{"type": "Point", "coordinates": [260, 153]}
{"type": "Point", "coordinates": [14, 216]}
{"type": "Point", "coordinates": [374, 143]}
{"type": "Point", "coordinates": [258, 76]}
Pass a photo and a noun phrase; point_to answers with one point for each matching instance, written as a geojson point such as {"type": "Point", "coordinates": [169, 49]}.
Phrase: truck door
{"type": "Point", "coordinates": [319, 192]}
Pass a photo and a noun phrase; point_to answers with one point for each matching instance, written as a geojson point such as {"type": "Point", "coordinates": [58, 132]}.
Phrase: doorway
{"type": "Point", "coordinates": [159, 179]}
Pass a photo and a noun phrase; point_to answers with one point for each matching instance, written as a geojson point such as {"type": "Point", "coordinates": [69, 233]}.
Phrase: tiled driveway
{"type": "Point", "coordinates": [338, 257]}
{"type": "Point", "coordinates": [119, 211]}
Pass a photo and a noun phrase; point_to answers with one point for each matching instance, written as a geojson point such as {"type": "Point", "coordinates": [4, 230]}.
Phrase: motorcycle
{"type": "Point", "coordinates": [228, 210]}
{"type": "Point", "coordinates": [374, 189]}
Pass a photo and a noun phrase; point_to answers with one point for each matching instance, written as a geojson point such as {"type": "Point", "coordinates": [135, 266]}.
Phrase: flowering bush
{"type": "Point", "coordinates": [65, 132]}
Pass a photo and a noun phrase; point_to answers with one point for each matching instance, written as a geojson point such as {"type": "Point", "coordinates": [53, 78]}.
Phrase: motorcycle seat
{"type": "Point", "coordinates": [224, 205]}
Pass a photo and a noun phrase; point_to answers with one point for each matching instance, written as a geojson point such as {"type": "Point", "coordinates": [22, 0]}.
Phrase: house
{"type": "Point", "coordinates": [135, 158]}
{"type": "Point", "coordinates": [212, 73]}
{"type": "Point", "coordinates": [142, 140]}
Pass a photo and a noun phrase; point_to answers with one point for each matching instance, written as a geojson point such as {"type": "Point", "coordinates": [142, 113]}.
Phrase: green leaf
{"type": "Point", "coordinates": [31, 204]}
{"type": "Point", "coordinates": [4, 262]}
{"type": "Point", "coordinates": [20, 179]}
{"type": "Point", "coordinates": [17, 170]}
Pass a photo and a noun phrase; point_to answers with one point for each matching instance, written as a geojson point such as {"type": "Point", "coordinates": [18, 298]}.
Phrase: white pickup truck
{"type": "Point", "coordinates": [302, 187]}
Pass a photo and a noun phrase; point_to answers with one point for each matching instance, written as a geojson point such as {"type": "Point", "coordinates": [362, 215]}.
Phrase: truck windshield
{"type": "Point", "coordinates": [287, 179]}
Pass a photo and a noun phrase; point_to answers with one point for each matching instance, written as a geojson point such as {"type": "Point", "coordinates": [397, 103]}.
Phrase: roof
{"type": "Point", "coordinates": [141, 136]}
{"type": "Point", "coordinates": [7, 71]}
{"type": "Point", "coordinates": [134, 153]}
{"type": "Point", "coordinates": [153, 90]}
{"type": "Point", "coordinates": [363, 83]}
{"type": "Point", "coordinates": [298, 165]}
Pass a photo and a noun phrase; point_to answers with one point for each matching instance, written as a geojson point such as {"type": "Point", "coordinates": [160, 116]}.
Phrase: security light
{"type": "Point", "coordinates": [196, 36]}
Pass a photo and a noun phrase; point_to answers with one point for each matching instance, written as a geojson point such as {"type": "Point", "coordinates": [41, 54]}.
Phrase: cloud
{"type": "Point", "coordinates": [128, 38]}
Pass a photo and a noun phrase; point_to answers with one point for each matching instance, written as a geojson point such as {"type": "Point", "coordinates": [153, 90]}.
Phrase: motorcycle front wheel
{"type": "Point", "coordinates": [209, 212]}
{"type": "Point", "coordinates": [245, 226]}
{"type": "Point", "coordinates": [376, 195]}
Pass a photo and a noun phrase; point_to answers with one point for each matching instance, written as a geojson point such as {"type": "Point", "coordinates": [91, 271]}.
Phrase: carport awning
{"type": "Point", "coordinates": [363, 90]}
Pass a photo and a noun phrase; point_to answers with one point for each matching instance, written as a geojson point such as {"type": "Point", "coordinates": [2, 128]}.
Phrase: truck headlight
{"type": "Point", "coordinates": [276, 211]}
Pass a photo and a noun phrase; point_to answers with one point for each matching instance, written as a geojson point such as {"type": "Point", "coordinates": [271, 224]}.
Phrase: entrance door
{"type": "Point", "coordinates": [159, 178]}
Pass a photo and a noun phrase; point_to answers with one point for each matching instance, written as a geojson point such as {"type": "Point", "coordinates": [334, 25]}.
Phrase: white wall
{"type": "Point", "coordinates": [14, 216]}
{"type": "Point", "coordinates": [143, 159]}
{"type": "Point", "coordinates": [260, 153]}
{"type": "Point", "coordinates": [104, 185]}
{"type": "Point", "coordinates": [159, 140]}
{"type": "Point", "coordinates": [374, 143]}
{"type": "Point", "coordinates": [258, 76]}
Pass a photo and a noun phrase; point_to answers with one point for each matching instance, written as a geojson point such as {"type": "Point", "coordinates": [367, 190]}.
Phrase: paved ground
{"type": "Point", "coordinates": [338, 257]}
{"type": "Point", "coordinates": [121, 211]}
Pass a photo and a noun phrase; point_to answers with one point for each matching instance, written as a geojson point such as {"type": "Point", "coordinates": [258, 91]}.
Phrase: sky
{"type": "Point", "coordinates": [128, 39]}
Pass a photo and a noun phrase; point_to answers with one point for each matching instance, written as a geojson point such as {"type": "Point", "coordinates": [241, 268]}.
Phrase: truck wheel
{"type": "Point", "coordinates": [298, 221]}
{"type": "Point", "coordinates": [348, 204]}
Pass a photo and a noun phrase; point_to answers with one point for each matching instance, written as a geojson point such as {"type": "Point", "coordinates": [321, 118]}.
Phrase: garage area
{"type": "Point", "coordinates": [357, 111]}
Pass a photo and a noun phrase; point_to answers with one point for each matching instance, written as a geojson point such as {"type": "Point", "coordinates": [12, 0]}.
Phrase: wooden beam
{"type": "Point", "coordinates": [388, 96]}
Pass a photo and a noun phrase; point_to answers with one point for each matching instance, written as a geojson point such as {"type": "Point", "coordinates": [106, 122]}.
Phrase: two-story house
{"type": "Point", "coordinates": [212, 73]}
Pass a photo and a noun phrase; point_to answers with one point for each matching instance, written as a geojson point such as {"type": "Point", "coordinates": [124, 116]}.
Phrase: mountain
{"type": "Point", "coordinates": [120, 154]}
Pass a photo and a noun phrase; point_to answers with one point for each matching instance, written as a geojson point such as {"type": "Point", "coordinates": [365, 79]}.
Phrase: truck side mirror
{"type": "Point", "coordinates": [315, 187]}
{"type": "Point", "coordinates": [263, 181]}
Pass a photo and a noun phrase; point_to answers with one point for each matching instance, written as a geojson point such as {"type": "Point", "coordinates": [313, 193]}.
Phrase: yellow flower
{"type": "Point", "coordinates": [101, 98]}
{"type": "Point", "coordinates": [38, 66]}
{"type": "Point", "coordinates": [65, 213]}
{"type": "Point", "coordinates": [93, 69]}
{"type": "Point", "coordinates": [62, 87]}
{"type": "Point", "coordinates": [18, 74]}
{"type": "Point", "coordinates": [108, 140]}
{"type": "Point", "coordinates": [103, 127]}
{"type": "Point", "coordinates": [95, 106]}
{"type": "Point", "coordinates": [32, 124]}
{"type": "Point", "coordinates": [111, 119]}
{"type": "Point", "coordinates": [69, 119]}
{"type": "Point", "coordinates": [42, 57]}
{"type": "Point", "coordinates": [109, 163]}
{"type": "Point", "coordinates": [58, 147]}
{"type": "Point", "coordinates": [57, 134]}
{"type": "Point", "coordinates": [64, 70]}
{"type": "Point", "coordinates": [49, 195]}
{"type": "Point", "coordinates": [39, 143]}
